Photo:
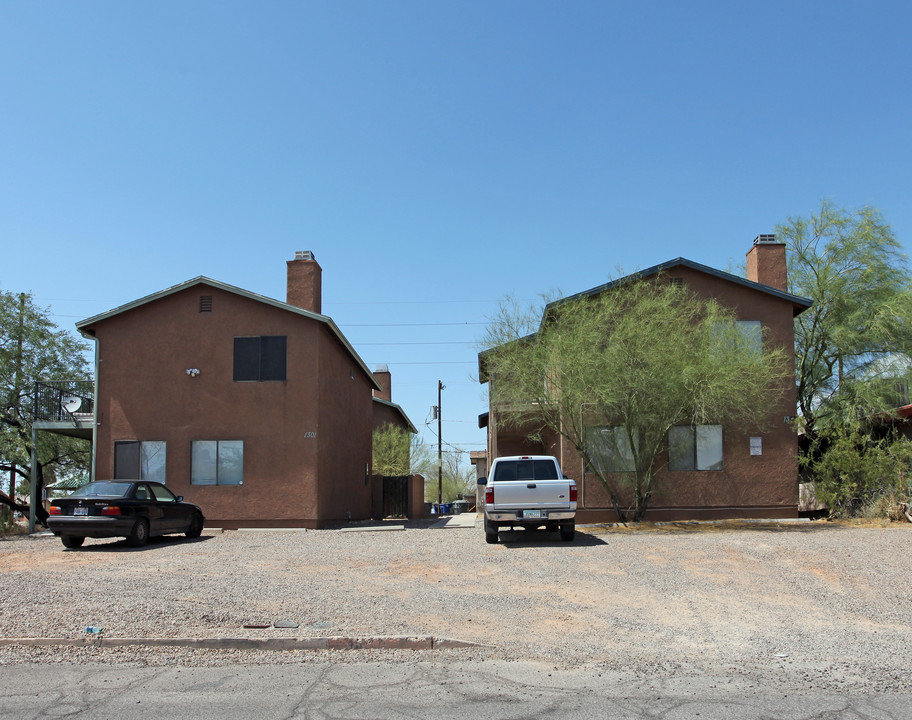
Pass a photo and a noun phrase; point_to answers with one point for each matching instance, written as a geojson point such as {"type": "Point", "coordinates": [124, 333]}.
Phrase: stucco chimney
{"type": "Point", "coordinates": [305, 282]}
{"type": "Point", "coordinates": [766, 262]}
{"type": "Point", "coordinates": [384, 380]}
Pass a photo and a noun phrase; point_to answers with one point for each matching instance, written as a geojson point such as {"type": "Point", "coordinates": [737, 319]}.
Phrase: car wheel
{"type": "Point", "coordinates": [490, 532]}
{"type": "Point", "coordinates": [568, 532]}
{"type": "Point", "coordinates": [196, 526]}
{"type": "Point", "coordinates": [72, 541]}
{"type": "Point", "coordinates": [139, 536]}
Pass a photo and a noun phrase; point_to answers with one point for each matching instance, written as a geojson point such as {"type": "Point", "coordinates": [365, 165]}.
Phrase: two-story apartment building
{"type": "Point", "coordinates": [750, 474]}
{"type": "Point", "coordinates": [258, 410]}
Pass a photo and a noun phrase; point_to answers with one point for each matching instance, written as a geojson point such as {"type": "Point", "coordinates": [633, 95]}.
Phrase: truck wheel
{"type": "Point", "coordinates": [567, 532]}
{"type": "Point", "coordinates": [490, 532]}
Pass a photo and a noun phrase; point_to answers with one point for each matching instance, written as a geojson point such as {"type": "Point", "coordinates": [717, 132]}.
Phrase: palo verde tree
{"type": "Point", "coordinates": [853, 268]}
{"type": "Point", "coordinates": [33, 348]}
{"type": "Point", "coordinates": [391, 456]}
{"type": "Point", "coordinates": [614, 373]}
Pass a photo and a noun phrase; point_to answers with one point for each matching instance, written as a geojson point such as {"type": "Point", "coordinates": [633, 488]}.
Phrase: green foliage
{"type": "Point", "coordinates": [458, 479]}
{"type": "Point", "coordinates": [32, 348]}
{"type": "Point", "coordinates": [391, 451]}
{"type": "Point", "coordinates": [852, 266]}
{"type": "Point", "coordinates": [855, 474]}
{"type": "Point", "coordinates": [646, 355]}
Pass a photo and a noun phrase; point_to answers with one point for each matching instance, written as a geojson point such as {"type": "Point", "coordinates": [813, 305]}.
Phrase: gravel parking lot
{"type": "Point", "coordinates": [811, 606]}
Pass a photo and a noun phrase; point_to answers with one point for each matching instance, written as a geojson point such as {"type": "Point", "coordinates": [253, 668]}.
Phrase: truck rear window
{"type": "Point", "coordinates": [525, 470]}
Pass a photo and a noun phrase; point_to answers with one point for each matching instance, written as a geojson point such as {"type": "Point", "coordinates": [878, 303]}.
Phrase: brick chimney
{"type": "Point", "coordinates": [305, 282]}
{"type": "Point", "coordinates": [384, 380]}
{"type": "Point", "coordinates": [766, 262]}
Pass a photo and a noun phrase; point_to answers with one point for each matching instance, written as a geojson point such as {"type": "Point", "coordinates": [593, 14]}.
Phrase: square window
{"type": "Point", "coordinates": [609, 449]}
{"type": "Point", "coordinates": [695, 447]}
{"type": "Point", "coordinates": [260, 358]}
{"type": "Point", "coordinates": [217, 462]}
{"type": "Point", "coordinates": [140, 460]}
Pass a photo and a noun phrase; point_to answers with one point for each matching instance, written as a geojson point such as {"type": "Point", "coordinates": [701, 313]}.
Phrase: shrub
{"type": "Point", "coordinates": [856, 475]}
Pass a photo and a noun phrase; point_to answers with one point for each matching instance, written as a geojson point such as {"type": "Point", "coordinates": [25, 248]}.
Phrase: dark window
{"type": "Point", "coordinates": [259, 358]}
{"type": "Point", "coordinates": [126, 461]}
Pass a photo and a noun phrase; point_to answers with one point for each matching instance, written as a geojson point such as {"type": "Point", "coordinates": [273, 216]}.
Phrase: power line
{"type": "Point", "coordinates": [442, 324]}
{"type": "Point", "coordinates": [431, 362]}
{"type": "Point", "coordinates": [443, 342]}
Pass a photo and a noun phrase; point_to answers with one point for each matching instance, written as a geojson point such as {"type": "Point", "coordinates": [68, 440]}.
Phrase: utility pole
{"type": "Point", "coordinates": [17, 392]}
{"type": "Point", "coordinates": [439, 445]}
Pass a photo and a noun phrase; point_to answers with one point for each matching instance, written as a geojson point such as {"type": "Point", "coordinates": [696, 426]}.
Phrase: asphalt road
{"type": "Point", "coordinates": [426, 689]}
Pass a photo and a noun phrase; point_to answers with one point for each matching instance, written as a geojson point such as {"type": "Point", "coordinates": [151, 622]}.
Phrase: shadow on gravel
{"type": "Point", "coordinates": [518, 539]}
{"type": "Point", "coordinates": [120, 546]}
{"type": "Point", "coordinates": [732, 526]}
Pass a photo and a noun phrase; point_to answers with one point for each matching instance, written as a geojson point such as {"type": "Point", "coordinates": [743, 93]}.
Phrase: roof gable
{"type": "Point", "coordinates": [84, 326]}
{"type": "Point", "coordinates": [799, 304]}
{"type": "Point", "coordinates": [398, 409]}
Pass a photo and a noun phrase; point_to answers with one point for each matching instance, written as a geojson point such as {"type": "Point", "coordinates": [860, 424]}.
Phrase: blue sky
{"type": "Point", "coordinates": [434, 156]}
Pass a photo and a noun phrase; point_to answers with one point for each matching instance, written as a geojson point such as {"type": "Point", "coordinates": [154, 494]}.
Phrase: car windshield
{"type": "Point", "coordinates": [103, 489]}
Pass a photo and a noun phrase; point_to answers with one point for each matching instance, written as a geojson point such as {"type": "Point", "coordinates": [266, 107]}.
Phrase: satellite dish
{"type": "Point", "coordinates": [71, 404]}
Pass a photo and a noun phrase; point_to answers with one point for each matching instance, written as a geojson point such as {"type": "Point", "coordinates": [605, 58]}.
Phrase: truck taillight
{"type": "Point", "coordinates": [489, 495]}
{"type": "Point", "coordinates": [573, 492]}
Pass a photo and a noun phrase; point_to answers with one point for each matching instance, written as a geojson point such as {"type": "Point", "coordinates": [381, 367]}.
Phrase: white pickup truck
{"type": "Point", "coordinates": [528, 491]}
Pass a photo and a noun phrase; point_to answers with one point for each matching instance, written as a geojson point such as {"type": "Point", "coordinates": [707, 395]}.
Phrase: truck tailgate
{"type": "Point", "coordinates": [532, 494]}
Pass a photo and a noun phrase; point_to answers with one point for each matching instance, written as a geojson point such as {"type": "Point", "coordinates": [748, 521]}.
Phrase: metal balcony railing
{"type": "Point", "coordinates": [64, 400]}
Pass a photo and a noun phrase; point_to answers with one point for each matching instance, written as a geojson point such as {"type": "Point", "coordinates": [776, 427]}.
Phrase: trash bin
{"type": "Point", "coordinates": [446, 508]}
{"type": "Point", "coordinates": [460, 506]}
{"type": "Point", "coordinates": [428, 509]}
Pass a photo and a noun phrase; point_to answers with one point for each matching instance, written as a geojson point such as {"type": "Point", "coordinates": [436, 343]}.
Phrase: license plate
{"type": "Point", "coordinates": [81, 511]}
{"type": "Point", "coordinates": [532, 514]}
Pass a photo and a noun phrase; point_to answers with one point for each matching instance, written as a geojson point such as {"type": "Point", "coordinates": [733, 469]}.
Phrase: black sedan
{"type": "Point", "coordinates": [134, 509]}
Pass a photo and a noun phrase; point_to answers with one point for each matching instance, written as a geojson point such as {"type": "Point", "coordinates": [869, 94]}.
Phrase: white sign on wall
{"type": "Point", "coordinates": [756, 446]}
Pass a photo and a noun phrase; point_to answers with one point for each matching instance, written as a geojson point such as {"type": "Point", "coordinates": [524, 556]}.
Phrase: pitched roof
{"type": "Point", "coordinates": [398, 409]}
{"type": "Point", "coordinates": [800, 303]}
{"type": "Point", "coordinates": [84, 325]}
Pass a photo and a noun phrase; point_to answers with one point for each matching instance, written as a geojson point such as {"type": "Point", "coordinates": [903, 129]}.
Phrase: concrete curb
{"type": "Point", "coordinates": [396, 642]}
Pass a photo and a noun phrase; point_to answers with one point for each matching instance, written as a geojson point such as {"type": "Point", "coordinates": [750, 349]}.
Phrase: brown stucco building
{"type": "Point", "coordinates": [755, 475]}
{"type": "Point", "coordinates": [258, 410]}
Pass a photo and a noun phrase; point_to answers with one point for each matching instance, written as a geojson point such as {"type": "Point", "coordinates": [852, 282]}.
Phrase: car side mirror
{"type": "Point", "coordinates": [180, 498]}
{"type": "Point", "coordinates": [482, 481]}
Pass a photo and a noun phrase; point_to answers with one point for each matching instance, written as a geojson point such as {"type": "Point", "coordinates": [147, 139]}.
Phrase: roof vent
{"type": "Point", "coordinates": [764, 239]}
{"type": "Point", "coordinates": [304, 255]}
{"type": "Point", "coordinates": [382, 368]}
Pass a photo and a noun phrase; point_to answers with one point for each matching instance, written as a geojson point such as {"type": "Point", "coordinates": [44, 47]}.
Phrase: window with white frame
{"type": "Point", "coordinates": [609, 448]}
{"type": "Point", "coordinates": [140, 460]}
{"type": "Point", "coordinates": [695, 447]}
{"type": "Point", "coordinates": [217, 462]}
